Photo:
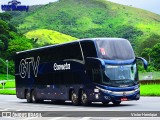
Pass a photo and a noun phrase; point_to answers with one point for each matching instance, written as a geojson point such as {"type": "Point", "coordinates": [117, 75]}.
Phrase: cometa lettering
{"type": "Point", "coordinates": [65, 66]}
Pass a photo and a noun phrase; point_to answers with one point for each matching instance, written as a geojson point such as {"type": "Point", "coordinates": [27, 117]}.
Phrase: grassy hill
{"type": "Point", "coordinates": [92, 18]}
{"type": "Point", "coordinates": [44, 37]}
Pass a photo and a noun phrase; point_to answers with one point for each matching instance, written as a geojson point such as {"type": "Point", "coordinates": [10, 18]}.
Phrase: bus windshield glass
{"type": "Point", "coordinates": [115, 49]}
{"type": "Point", "coordinates": [125, 72]}
{"type": "Point", "coordinates": [120, 74]}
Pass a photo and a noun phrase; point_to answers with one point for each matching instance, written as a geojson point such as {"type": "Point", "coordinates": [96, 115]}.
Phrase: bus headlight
{"type": "Point", "coordinates": [136, 89]}
{"type": "Point", "coordinates": [96, 90]}
{"type": "Point", "coordinates": [103, 90]}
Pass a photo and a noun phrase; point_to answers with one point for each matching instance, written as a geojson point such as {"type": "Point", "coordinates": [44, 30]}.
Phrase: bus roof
{"type": "Point", "coordinates": [79, 40]}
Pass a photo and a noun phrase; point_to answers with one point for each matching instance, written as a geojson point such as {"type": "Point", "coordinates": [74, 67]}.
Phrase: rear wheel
{"type": "Point", "coordinates": [74, 98]}
{"type": "Point", "coordinates": [84, 99]}
{"type": "Point", "coordinates": [33, 96]}
{"type": "Point", "coordinates": [28, 96]}
{"type": "Point", "coordinates": [116, 102]}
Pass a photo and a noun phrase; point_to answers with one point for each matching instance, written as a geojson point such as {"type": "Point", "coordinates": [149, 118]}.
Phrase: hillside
{"type": "Point", "coordinates": [46, 37]}
{"type": "Point", "coordinates": [92, 18]}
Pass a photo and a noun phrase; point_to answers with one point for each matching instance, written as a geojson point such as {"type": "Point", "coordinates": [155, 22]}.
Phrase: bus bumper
{"type": "Point", "coordinates": [115, 96]}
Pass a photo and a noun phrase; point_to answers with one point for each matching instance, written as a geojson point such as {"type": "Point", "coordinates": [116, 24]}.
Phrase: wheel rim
{"type": "Point", "coordinates": [84, 98]}
{"type": "Point", "coordinates": [74, 97]}
{"type": "Point", "coordinates": [33, 98]}
{"type": "Point", "coordinates": [28, 95]}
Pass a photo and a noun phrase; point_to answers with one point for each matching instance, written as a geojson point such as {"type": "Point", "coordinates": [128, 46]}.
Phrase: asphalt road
{"type": "Point", "coordinates": [147, 104]}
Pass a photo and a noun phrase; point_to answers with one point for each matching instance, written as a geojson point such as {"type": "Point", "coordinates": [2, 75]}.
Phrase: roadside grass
{"type": "Point", "coordinates": [150, 90]}
{"type": "Point", "coordinates": [4, 77]}
{"type": "Point", "coordinates": [7, 92]}
{"type": "Point", "coordinates": [9, 88]}
{"type": "Point", "coordinates": [9, 84]}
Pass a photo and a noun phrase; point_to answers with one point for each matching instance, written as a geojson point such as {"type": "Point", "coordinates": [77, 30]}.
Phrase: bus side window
{"type": "Point", "coordinates": [89, 49]}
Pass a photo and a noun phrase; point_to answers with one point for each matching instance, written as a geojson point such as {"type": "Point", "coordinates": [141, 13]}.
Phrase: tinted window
{"type": "Point", "coordinates": [61, 52]}
{"type": "Point", "coordinates": [118, 49]}
{"type": "Point", "coordinates": [89, 49]}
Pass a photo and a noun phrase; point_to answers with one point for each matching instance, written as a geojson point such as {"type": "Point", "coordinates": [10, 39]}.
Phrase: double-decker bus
{"type": "Point", "coordinates": [84, 71]}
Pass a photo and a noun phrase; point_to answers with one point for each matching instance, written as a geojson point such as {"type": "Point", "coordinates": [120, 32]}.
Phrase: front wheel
{"type": "Point", "coordinates": [84, 99]}
{"type": "Point", "coordinates": [74, 98]}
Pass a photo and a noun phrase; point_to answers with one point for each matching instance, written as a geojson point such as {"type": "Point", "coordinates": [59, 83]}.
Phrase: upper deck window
{"type": "Point", "coordinates": [115, 49]}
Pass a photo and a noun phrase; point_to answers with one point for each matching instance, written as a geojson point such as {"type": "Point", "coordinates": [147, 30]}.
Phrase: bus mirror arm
{"type": "Point", "coordinates": [145, 63]}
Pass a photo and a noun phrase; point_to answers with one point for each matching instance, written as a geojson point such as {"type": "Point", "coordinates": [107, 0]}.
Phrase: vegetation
{"type": "Point", "coordinates": [4, 77]}
{"type": "Point", "coordinates": [9, 84]}
{"type": "Point", "coordinates": [150, 90]}
{"type": "Point", "coordinates": [11, 41]}
{"type": "Point", "coordinates": [44, 37]}
{"type": "Point", "coordinates": [8, 92]}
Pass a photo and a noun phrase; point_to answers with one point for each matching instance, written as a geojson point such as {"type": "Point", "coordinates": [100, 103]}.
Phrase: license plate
{"type": "Point", "coordinates": [124, 99]}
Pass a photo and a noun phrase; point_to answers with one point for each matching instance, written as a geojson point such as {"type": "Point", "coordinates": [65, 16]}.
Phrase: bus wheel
{"type": "Point", "coordinates": [105, 103]}
{"type": "Point", "coordinates": [84, 99]}
{"type": "Point", "coordinates": [33, 97]}
{"type": "Point", "coordinates": [74, 98]}
{"type": "Point", "coordinates": [28, 96]}
{"type": "Point", "coordinates": [116, 102]}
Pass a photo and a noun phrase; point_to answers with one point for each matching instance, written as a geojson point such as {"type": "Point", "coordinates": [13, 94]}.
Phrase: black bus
{"type": "Point", "coordinates": [84, 71]}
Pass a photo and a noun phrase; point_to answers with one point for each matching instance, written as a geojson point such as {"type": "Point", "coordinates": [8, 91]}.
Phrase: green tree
{"type": "Point", "coordinates": [5, 16]}
{"type": "Point", "coordinates": [19, 43]}
{"type": "Point", "coordinates": [150, 42]}
{"type": "Point", "coordinates": [146, 53]}
{"type": "Point", "coordinates": [155, 54]}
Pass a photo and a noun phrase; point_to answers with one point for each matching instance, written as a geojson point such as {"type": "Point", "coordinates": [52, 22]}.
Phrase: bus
{"type": "Point", "coordinates": [83, 71]}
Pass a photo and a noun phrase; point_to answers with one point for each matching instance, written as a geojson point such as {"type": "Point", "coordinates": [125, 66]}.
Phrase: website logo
{"type": "Point", "coordinates": [14, 5]}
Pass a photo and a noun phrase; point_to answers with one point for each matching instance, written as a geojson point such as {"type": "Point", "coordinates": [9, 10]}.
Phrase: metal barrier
{"type": "Point", "coordinates": [144, 82]}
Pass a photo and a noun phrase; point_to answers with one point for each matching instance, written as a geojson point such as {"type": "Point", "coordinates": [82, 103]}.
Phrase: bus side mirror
{"type": "Point", "coordinates": [145, 63]}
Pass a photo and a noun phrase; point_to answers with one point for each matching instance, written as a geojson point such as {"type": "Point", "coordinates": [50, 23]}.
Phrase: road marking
{"type": "Point", "coordinates": [57, 118]}
{"type": "Point", "coordinates": [30, 118]}
{"type": "Point", "coordinates": [118, 119]}
{"type": "Point", "coordinates": [85, 118]}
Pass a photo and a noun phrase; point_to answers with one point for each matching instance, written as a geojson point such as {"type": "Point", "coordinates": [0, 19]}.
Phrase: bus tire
{"type": "Point", "coordinates": [116, 102]}
{"type": "Point", "coordinates": [28, 96]}
{"type": "Point", "coordinates": [84, 99]}
{"type": "Point", "coordinates": [74, 98]}
{"type": "Point", "coordinates": [33, 97]}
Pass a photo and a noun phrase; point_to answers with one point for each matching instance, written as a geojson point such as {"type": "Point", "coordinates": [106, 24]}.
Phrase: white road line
{"type": "Point", "coordinates": [85, 118]}
{"type": "Point", "coordinates": [5, 109]}
{"type": "Point", "coordinates": [57, 118]}
{"type": "Point", "coordinates": [19, 110]}
{"type": "Point", "coordinates": [30, 118]}
{"type": "Point", "coordinates": [118, 119]}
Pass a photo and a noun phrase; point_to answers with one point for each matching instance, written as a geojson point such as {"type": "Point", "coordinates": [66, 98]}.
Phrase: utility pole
{"type": "Point", "coordinates": [7, 68]}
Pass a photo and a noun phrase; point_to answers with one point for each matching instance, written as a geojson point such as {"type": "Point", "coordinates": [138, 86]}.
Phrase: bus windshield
{"type": "Point", "coordinates": [115, 49]}
{"type": "Point", "coordinates": [118, 74]}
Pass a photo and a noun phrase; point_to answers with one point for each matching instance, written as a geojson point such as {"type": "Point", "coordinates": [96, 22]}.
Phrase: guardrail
{"type": "Point", "coordinates": [144, 82]}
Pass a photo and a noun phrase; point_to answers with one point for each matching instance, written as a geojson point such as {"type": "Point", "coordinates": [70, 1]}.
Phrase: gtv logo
{"type": "Point", "coordinates": [13, 6]}
{"type": "Point", "coordinates": [28, 64]}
